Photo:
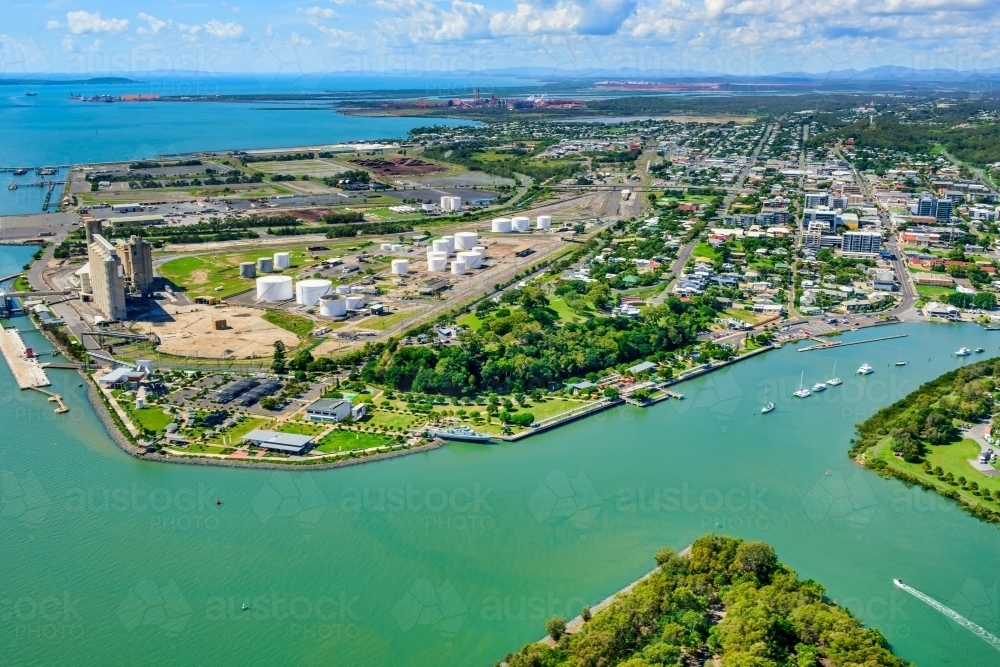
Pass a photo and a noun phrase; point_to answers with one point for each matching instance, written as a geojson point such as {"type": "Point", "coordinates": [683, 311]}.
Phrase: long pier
{"type": "Point", "coordinates": [836, 343]}
{"type": "Point", "coordinates": [27, 372]}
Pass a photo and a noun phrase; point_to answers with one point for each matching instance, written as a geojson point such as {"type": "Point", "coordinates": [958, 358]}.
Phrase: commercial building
{"type": "Point", "coordinates": [862, 243]}
{"type": "Point", "coordinates": [328, 410]}
{"type": "Point", "coordinates": [137, 265]}
{"type": "Point", "coordinates": [289, 443]}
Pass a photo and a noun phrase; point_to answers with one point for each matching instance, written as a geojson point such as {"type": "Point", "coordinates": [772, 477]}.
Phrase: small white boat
{"type": "Point", "coordinates": [768, 405]}
{"type": "Point", "coordinates": [900, 363]}
{"type": "Point", "coordinates": [802, 392]}
{"type": "Point", "coordinates": [963, 352]}
{"type": "Point", "coordinates": [834, 381]}
{"type": "Point", "coordinates": [819, 386]}
{"type": "Point", "coordinates": [979, 349]}
{"type": "Point", "coordinates": [865, 369]}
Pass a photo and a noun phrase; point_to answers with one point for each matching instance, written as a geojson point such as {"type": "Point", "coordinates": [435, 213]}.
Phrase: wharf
{"type": "Point", "coordinates": [27, 373]}
{"type": "Point", "coordinates": [55, 398]}
{"type": "Point", "coordinates": [826, 344]}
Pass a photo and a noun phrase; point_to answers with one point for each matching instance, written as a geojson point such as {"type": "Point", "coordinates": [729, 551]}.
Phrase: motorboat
{"type": "Point", "coordinates": [12, 186]}
{"type": "Point", "coordinates": [819, 386]}
{"type": "Point", "coordinates": [979, 350]}
{"type": "Point", "coordinates": [865, 369]}
{"type": "Point", "coordinates": [20, 171]}
{"type": "Point", "coordinates": [802, 392]}
{"type": "Point", "coordinates": [963, 352]}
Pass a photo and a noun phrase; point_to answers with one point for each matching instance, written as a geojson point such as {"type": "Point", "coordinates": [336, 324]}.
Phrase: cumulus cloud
{"type": "Point", "coordinates": [317, 12]}
{"type": "Point", "coordinates": [580, 17]}
{"type": "Point", "coordinates": [84, 22]}
{"type": "Point", "coordinates": [223, 30]}
{"type": "Point", "coordinates": [426, 22]}
{"type": "Point", "coordinates": [155, 24]}
{"type": "Point", "coordinates": [338, 38]}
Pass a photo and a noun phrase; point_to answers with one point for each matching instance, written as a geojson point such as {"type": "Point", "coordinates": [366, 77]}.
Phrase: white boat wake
{"type": "Point", "coordinates": [982, 633]}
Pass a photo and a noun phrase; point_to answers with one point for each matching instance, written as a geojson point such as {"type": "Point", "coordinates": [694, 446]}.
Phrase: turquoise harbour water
{"type": "Point", "coordinates": [458, 555]}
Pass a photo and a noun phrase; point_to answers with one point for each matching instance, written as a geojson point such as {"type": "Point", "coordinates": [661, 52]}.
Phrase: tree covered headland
{"type": "Point", "coordinates": [925, 417]}
{"type": "Point", "coordinates": [520, 346]}
{"type": "Point", "coordinates": [729, 600]}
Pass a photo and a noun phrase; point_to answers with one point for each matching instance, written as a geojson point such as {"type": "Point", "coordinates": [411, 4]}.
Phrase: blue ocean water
{"type": "Point", "coordinates": [50, 129]}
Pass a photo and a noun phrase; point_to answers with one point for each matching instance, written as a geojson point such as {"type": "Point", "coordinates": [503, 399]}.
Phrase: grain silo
{"type": "Point", "coordinates": [501, 225]}
{"type": "Point", "coordinates": [265, 265]}
{"type": "Point", "coordinates": [400, 267]}
{"type": "Point", "coordinates": [437, 261]}
{"type": "Point", "coordinates": [543, 222]}
{"type": "Point", "coordinates": [466, 240]}
{"type": "Point", "coordinates": [332, 305]}
{"type": "Point", "coordinates": [355, 301]}
{"type": "Point", "coordinates": [248, 270]}
{"type": "Point", "coordinates": [457, 267]}
{"type": "Point", "coordinates": [308, 292]}
{"type": "Point", "coordinates": [470, 258]}
{"type": "Point", "coordinates": [520, 224]}
{"type": "Point", "coordinates": [282, 260]}
{"type": "Point", "coordinates": [274, 288]}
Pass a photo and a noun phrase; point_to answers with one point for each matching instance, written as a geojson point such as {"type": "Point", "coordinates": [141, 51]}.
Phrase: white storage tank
{"type": "Point", "coordinates": [481, 251]}
{"type": "Point", "coordinates": [355, 301]}
{"type": "Point", "coordinates": [520, 224]}
{"type": "Point", "coordinates": [309, 292]}
{"type": "Point", "coordinates": [440, 245]}
{"type": "Point", "coordinates": [501, 225]}
{"type": "Point", "coordinates": [400, 267]}
{"type": "Point", "coordinates": [437, 261]}
{"type": "Point", "coordinates": [274, 288]}
{"type": "Point", "coordinates": [457, 267]}
{"type": "Point", "coordinates": [386, 246]}
{"type": "Point", "coordinates": [282, 260]}
{"type": "Point", "coordinates": [357, 289]}
{"type": "Point", "coordinates": [265, 265]}
{"type": "Point", "coordinates": [332, 305]}
{"type": "Point", "coordinates": [451, 243]}
{"type": "Point", "coordinates": [343, 289]}
{"type": "Point", "coordinates": [248, 270]}
{"type": "Point", "coordinates": [543, 222]}
{"type": "Point", "coordinates": [466, 240]}
{"type": "Point", "coordinates": [396, 247]}
{"type": "Point", "coordinates": [470, 258]}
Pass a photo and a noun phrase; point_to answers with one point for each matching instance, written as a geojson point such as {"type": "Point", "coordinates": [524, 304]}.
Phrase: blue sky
{"type": "Point", "coordinates": [421, 37]}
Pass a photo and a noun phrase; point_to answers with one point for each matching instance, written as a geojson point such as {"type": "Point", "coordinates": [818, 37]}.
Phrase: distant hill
{"type": "Point", "coordinates": [103, 80]}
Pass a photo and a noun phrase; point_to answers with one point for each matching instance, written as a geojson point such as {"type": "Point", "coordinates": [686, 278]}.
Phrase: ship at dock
{"type": "Point", "coordinates": [463, 433]}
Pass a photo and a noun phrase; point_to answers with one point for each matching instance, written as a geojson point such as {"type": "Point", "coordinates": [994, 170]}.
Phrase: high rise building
{"type": "Point", "coordinates": [862, 243]}
{"type": "Point", "coordinates": [942, 212]}
{"type": "Point", "coordinates": [926, 205]}
{"type": "Point", "coordinates": [137, 265]}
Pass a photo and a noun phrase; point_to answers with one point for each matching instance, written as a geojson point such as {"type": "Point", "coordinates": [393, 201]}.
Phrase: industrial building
{"type": "Point", "coordinates": [104, 274]}
{"type": "Point", "coordinates": [137, 265]}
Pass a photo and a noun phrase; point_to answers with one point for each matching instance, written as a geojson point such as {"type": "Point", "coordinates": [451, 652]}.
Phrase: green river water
{"type": "Point", "coordinates": [458, 555]}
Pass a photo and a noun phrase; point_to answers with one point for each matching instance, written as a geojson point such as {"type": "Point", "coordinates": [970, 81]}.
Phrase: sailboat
{"type": "Point", "coordinates": [768, 405]}
{"type": "Point", "coordinates": [834, 381]}
{"type": "Point", "coordinates": [802, 392]}
{"type": "Point", "coordinates": [900, 361]}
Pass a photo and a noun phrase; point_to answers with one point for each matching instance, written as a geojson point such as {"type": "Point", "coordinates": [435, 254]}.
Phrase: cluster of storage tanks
{"type": "Point", "coordinates": [520, 224]}
{"type": "Point", "coordinates": [311, 292]}
{"type": "Point", "coordinates": [463, 245]}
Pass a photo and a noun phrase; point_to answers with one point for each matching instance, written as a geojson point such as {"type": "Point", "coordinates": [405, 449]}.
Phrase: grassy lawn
{"type": "Point", "coordinates": [390, 420]}
{"type": "Point", "coordinates": [566, 314]}
{"type": "Point", "coordinates": [347, 440]}
{"type": "Point", "coordinates": [152, 418]}
{"type": "Point", "coordinates": [381, 322]}
{"type": "Point", "coordinates": [21, 284]}
{"type": "Point", "coordinates": [206, 448]}
{"type": "Point", "coordinates": [952, 458]}
{"type": "Point", "coordinates": [933, 291]}
{"type": "Point", "coordinates": [470, 320]}
{"type": "Point", "coordinates": [550, 407]}
{"type": "Point", "coordinates": [298, 325]}
{"type": "Point", "coordinates": [319, 167]}
{"type": "Point", "coordinates": [300, 428]}
{"type": "Point", "coordinates": [704, 250]}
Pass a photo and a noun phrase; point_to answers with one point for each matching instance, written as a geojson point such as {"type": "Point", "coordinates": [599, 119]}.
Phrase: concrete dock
{"type": "Point", "coordinates": [27, 373]}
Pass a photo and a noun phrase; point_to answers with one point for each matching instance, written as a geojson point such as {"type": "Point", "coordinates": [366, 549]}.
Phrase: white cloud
{"type": "Point", "coordinates": [581, 17]}
{"type": "Point", "coordinates": [338, 38]}
{"type": "Point", "coordinates": [53, 25]}
{"type": "Point", "coordinates": [155, 24]}
{"type": "Point", "coordinates": [67, 43]}
{"type": "Point", "coordinates": [223, 30]}
{"type": "Point", "coordinates": [298, 40]}
{"type": "Point", "coordinates": [83, 22]}
{"type": "Point", "coordinates": [317, 12]}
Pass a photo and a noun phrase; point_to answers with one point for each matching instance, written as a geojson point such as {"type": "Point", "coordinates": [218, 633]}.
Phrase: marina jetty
{"type": "Point", "coordinates": [25, 368]}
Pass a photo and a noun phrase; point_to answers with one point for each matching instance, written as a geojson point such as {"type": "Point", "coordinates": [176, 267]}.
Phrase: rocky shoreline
{"type": "Point", "coordinates": [111, 427]}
